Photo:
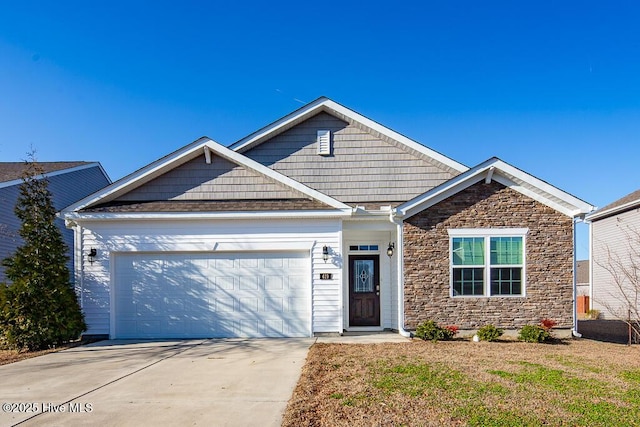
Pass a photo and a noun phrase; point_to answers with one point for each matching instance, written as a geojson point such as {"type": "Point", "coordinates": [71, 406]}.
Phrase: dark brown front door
{"type": "Point", "coordinates": [364, 290]}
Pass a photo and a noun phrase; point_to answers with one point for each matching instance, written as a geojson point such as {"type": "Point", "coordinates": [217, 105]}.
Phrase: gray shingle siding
{"type": "Point", "coordinates": [363, 168]}
{"type": "Point", "coordinates": [66, 188]}
{"type": "Point", "coordinates": [220, 180]}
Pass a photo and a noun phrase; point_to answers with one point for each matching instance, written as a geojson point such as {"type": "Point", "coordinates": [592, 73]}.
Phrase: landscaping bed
{"type": "Point", "coordinates": [583, 383]}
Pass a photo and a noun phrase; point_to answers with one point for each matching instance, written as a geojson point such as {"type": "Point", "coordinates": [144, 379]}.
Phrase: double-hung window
{"type": "Point", "coordinates": [487, 262]}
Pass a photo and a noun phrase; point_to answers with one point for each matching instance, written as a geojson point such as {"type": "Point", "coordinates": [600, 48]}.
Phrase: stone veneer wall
{"type": "Point", "coordinates": [549, 261]}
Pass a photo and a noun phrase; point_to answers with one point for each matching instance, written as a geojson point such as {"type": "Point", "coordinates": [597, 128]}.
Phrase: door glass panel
{"type": "Point", "coordinates": [363, 276]}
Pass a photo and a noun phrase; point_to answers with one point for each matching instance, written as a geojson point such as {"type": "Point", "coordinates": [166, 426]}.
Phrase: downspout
{"type": "Point", "coordinates": [400, 272]}
{"type": "Point", "coordinates": [574, 330]}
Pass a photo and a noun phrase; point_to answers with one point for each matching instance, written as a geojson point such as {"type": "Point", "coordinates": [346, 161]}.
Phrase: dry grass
{"type": "Point", "coordinates": [10, 356]}
{"type": "Point", "coordinates": [462, 383]}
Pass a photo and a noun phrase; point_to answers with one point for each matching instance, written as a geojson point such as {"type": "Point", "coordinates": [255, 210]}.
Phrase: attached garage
{"type": "Point", "coordinates": [209, 295]}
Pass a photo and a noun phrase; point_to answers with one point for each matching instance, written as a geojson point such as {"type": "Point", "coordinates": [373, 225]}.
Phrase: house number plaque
{"type": "Point", "coordinates": [326, 276]}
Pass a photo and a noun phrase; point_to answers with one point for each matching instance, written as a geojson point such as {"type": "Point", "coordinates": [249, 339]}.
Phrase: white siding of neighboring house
{"type": "Point", "coordinates": [611, 240]}
{"type": "Point", "coordinates": [201, 236]}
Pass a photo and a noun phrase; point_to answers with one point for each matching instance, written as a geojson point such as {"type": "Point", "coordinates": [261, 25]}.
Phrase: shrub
{"type": "Point", "coordinates": [489, 333]}
{"type": "Point", "coordinates": [38, 308]}
{"type": "Point", "coordinates": [593, 314]}
{"type": "Point", "coordinates": [534, 333]}
{"type": "Point", "coordinates": [430, 330]}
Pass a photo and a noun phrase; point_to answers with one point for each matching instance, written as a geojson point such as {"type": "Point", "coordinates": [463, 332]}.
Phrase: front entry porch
{"type": "Point", "coordinates": [369, 277]}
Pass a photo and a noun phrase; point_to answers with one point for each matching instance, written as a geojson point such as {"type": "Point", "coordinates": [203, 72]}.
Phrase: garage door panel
{"type": "Point", "coordinates": [247, 283]}
{"type": "Point", "coordinates": [273, 304]}
{"type": "Point", "coordinates": [223, 282]}
{"type": "Point", "coordinates": [297, 282]}
{"type": "Point", "coordinates": [273, 283]}
{"type": "Point", "coordinates": [171, 295]}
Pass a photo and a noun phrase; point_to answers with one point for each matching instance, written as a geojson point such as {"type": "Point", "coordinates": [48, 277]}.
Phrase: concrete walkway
{"type": "Point", "coordinates": [232, 382]}
{"type": "Point", "coordinates": [364, 338]}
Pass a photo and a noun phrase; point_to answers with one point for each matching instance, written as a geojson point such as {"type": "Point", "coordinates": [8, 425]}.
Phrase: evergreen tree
{"type": "Point", "coordinates": [38, 307]}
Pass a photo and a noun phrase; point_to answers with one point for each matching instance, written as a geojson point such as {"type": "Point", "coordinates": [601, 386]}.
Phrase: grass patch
{"type": "Point", "coordinates": [537, 375]}
{"type": "Point", "coordinates": [582, 383]}
{"type": "Point", "coordinates": [416, 379]}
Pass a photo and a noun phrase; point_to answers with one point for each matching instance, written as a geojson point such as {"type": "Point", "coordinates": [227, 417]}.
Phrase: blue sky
{"type": "Point", "coordinates": [552, 87]}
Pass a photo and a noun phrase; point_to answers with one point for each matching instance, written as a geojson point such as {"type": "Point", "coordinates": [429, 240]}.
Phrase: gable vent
{"type": "Point", "coordinates": [324, 142]}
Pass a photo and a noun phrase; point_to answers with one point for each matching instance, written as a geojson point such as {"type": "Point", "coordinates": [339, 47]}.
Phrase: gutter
{"type": "Point", "coordinates": [147, 216]}
{"type": "Point", "coordinates": [400, 272]}
{"type": "Point", "coordinates": [574, 330]}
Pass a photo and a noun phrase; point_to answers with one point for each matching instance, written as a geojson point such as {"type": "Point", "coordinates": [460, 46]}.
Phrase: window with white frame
{"type": "Point", "coordinates": [487, 262]}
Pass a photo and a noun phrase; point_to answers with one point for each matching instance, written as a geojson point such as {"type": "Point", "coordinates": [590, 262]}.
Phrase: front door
{"type": "Point", "coordinates": [364, 290]}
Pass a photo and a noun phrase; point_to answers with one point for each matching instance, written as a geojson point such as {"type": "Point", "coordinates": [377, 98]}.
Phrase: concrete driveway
{"type": "Point", "coordinates": [228, 382]}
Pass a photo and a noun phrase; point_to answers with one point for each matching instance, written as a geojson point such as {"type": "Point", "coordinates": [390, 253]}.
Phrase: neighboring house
{"type": "Point", "coordinates": [583, 284]}
{"type": "Point", "coordinates": [615, 258]}
{"type": "Point", "coordinates": [68, 183]}
{"type": "Point", "coordinates": [321, 222]}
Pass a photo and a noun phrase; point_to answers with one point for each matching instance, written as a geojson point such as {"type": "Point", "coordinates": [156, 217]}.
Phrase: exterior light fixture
{"type": "Point", "coordinates": [93, 252]}
{"type": "Point", "coordinates": [390, 249]}
{"type": "Point", "coordinates": [325, 253]}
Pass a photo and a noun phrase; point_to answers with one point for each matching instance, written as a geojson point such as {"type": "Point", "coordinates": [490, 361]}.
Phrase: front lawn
{"type": "Point", "coordinates": [576, 383]}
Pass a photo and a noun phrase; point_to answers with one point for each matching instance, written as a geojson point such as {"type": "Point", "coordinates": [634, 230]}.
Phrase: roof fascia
{"type": "Point", "coordinates": [492, 168]}
{"type": "Point", "coordinates": [327, 105]}
{"type": "Point", "coordinates": [58, 172]}
{"type": "Point", "coordinates": [612, 211]}
{"type": "Point", "coordinates": [580, 207]}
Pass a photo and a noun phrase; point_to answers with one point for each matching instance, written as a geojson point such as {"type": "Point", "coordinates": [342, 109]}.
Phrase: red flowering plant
{"type": "Point", "coordinates": [452, 328]}
{"type": "Point", "coordinates": [547, 324]}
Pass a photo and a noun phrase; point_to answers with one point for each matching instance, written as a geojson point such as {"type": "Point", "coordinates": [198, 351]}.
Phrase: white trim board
{"type": "Point", "coordinates": [509, 176]}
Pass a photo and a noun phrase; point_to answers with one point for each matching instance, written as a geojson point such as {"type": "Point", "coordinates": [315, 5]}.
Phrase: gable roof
{"type": "Point", "coordinates": [626, 203]}
{"type": "Point", "coordinates": [11, 172]}
{"type": "Point", "coordinates": [324, 104]}
{"type": "Point", "coordinates": [510, 176]}
{"type": "Point", "coordinates": [201, 147]}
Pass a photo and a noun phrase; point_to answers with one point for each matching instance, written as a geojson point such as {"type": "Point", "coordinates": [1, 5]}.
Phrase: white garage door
{"type": "Point", "coordinates": [178, 295]}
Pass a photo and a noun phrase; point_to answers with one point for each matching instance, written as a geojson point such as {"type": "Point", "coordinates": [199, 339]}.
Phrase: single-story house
{"type": "Point", "coordinates": [321, 222]}
{"type": "Point", "coordinates": [68, 183]}
{"type": "Point", "coordinates": [615, 259]}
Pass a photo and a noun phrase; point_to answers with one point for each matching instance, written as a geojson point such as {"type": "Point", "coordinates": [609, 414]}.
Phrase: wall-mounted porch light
{"type": "Point", "coordinates": [390, 249]}
{"type": "Point", "coordinates": [93, 252]}
{"type": "Point", "coordinates": [325, 253]}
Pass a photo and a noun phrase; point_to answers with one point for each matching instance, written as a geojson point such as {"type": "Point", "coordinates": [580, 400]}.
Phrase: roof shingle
{"type": "Point", "coordinates": [10, 171]}
{"type": "Point", "coordinates": [210, 206]}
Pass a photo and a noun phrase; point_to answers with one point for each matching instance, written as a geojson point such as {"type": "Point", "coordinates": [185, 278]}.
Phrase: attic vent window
{"type": "Point", "coordinates": [324, 142]}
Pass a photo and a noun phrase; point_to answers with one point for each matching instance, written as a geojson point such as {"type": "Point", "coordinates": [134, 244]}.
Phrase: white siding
{"type": "Point", "coordinates": [209, 236]}
{"type": "Point", "coordinates": [613, 238]}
